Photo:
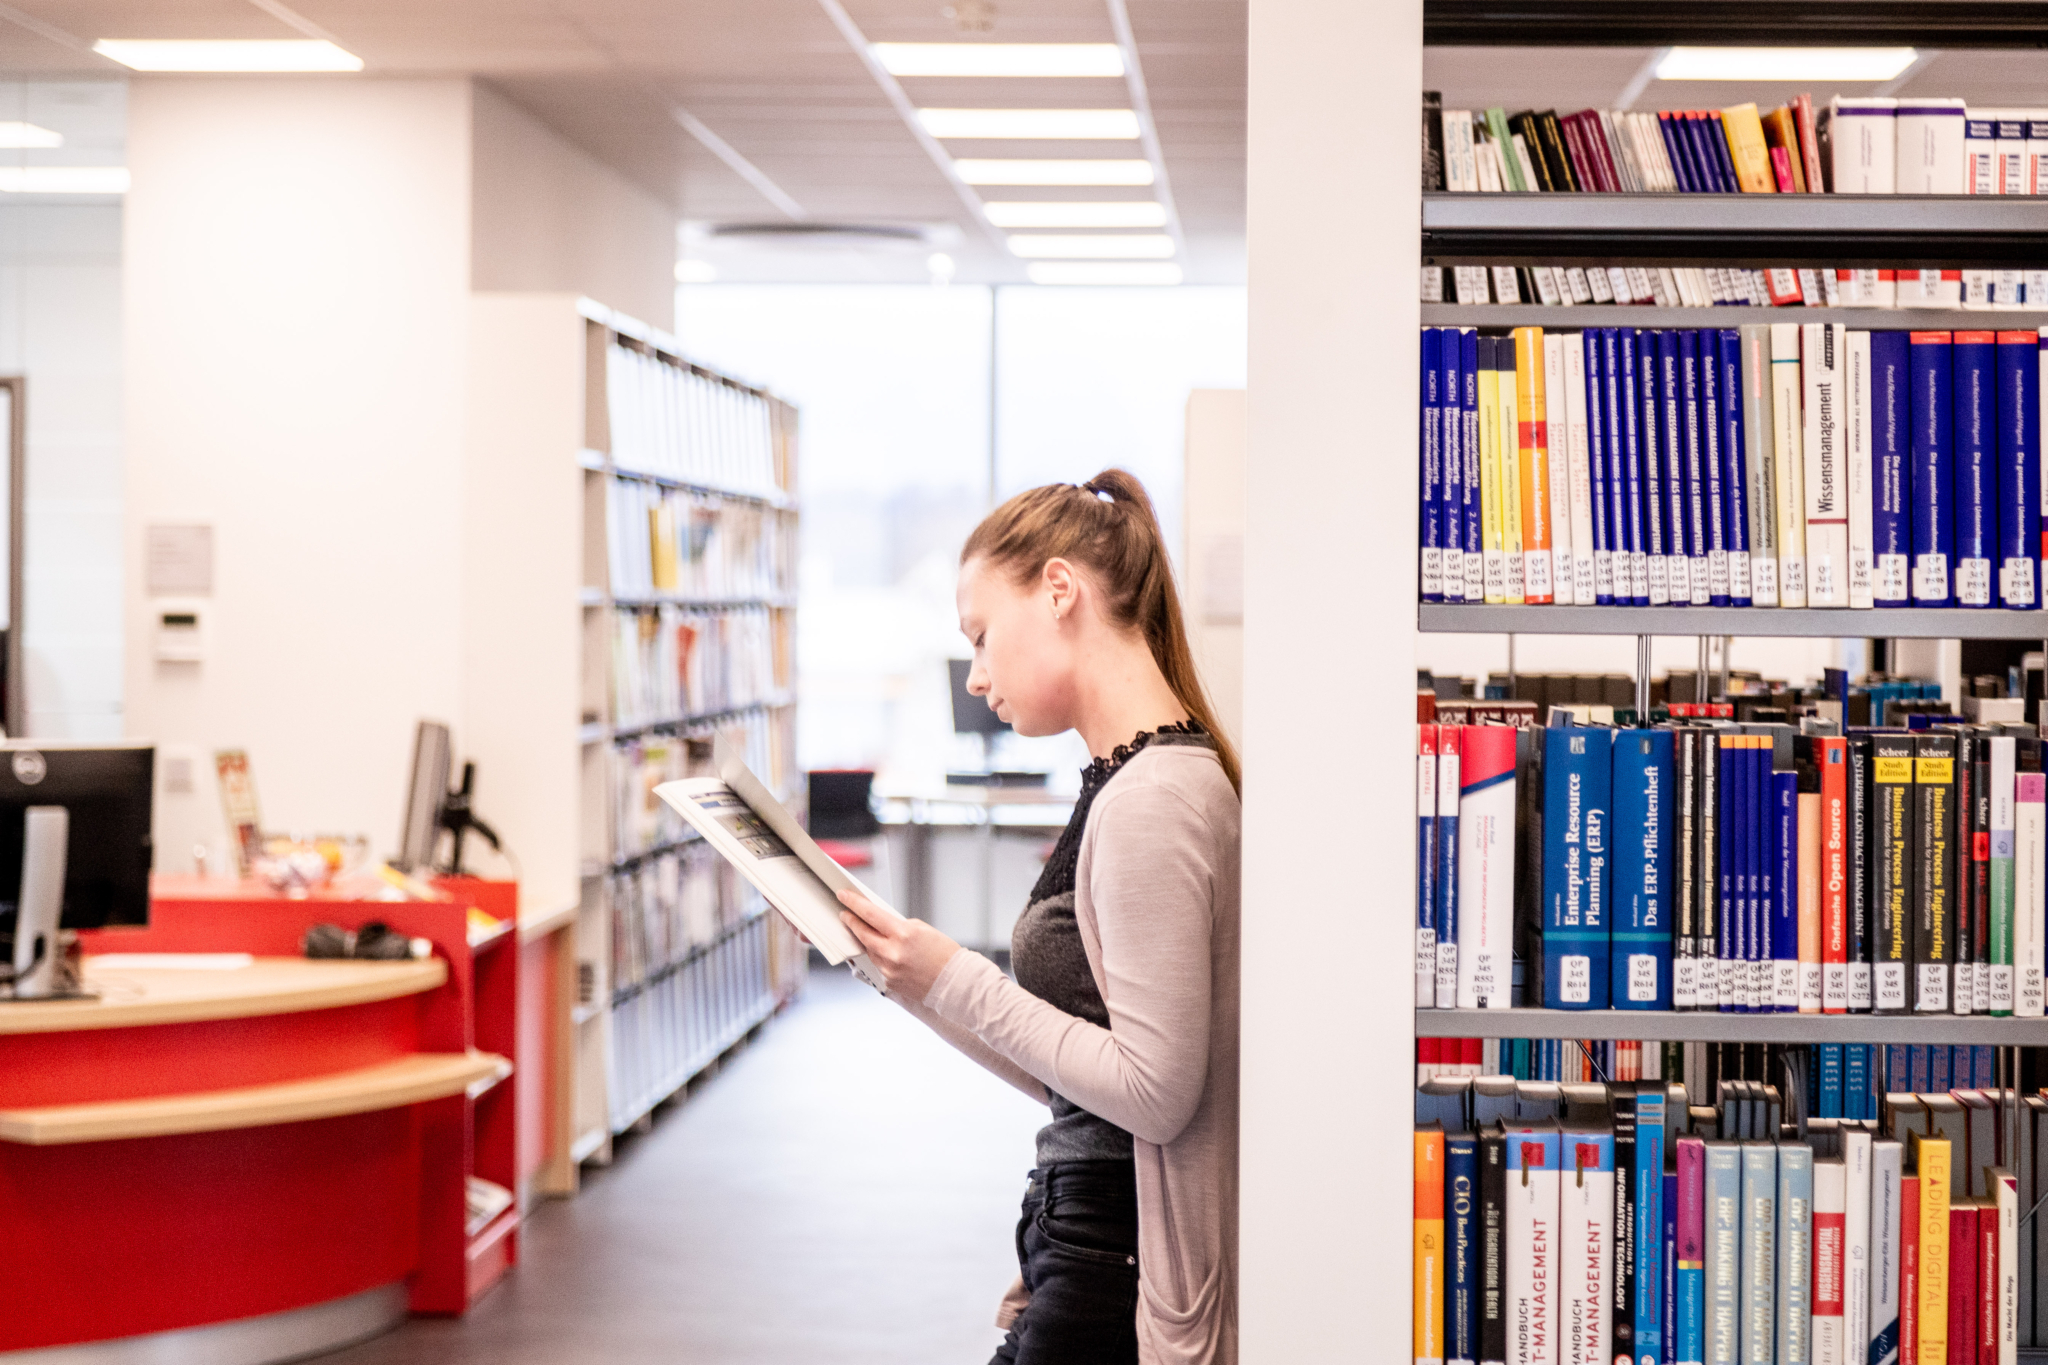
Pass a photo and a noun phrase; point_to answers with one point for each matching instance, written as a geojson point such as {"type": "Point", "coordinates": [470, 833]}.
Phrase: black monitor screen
{"type": "Point", "coordinates": [108, 789]}
{"type": "Point", "coordinates": [971, 714]}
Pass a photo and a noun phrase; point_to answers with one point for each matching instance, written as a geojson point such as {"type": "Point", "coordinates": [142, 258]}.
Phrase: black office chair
{"type": "Point", "coordinates": [839, 804]}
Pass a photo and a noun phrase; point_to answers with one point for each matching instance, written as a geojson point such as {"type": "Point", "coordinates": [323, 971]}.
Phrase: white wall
{"type": "Point", "coordinates": [1212, 590]}
{"type": "Point", "coordinates": [1329, 648]}
{"type": "Point", "coordinates": [296, 280]}
{"type": "Point", "coordinates": [548, 218]}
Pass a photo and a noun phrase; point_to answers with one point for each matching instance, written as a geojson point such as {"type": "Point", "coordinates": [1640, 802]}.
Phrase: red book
{"type": "Point", "coordinates": [1987, 1282]}
{"type": "Point", "coordinates": [1472, 1053]}
{"type": "Point", "coordinates": [1834, 874]}
{"type": "Point", "coordinates": [1909, 1270]}
{"type": "Point", "coordinates": [1584, 164]}
{"type": "Point", "coordinates": [1596, 133]}
{"type": "Point", "coordinates": [1962, 1282]}
{"type": "Point", "coordinates": [1427, 1050]}
{"type": "Point", "coordinates": [1781, 168]}
{"type": "Point", "coordinates": [1809, 143]}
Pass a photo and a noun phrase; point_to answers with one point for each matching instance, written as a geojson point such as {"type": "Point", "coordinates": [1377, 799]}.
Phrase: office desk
{"type": "Point", "coordinates": [927, 806]}
{"type": "Point", "coordinates": [221, 1164]}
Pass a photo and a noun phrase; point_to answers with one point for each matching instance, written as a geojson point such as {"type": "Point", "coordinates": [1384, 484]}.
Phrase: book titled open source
{"type": "Point", "coordinates": [747, 826]}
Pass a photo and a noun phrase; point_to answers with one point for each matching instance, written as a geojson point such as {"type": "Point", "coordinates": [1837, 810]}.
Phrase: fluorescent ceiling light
{"type": "Point", "coordinates": [695, 272]}
{"type": "Point", "coordinates": [1784, 63]}
{"type": "Point", "coordinates": [1137, 246]}
{"type": "Point", "coordinates": [1104, 272]}
{"type": "Point", "coordinates": [999, 59]}
{"type": "Point", "coordinates": [1054, 172]}
{"type": "Point", "coordinates": [1110, 213]}
{"type": "Point", "coordinates": [208, 54]}
{"type": "Point", "coordinates": [1030, 123]}
{"type": "Point", "coordinates": [28, 135]}
{"type": "Point", "coordinates": [63, 179]}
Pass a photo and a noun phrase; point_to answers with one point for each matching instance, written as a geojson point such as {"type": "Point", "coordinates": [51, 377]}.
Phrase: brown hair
{"type": "Point", "coordinates": [1107, 526]}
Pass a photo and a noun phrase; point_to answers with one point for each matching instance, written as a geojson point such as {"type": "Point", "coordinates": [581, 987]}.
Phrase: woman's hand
{"type": "Point", "coordinates": [908, 953]}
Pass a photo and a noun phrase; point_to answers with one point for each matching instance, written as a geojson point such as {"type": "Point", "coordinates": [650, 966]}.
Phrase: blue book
{"type": "Point", "coordinates": [1448, 786]}
{"type": "Point", "coordinates": [1461, 1249]}
{"type": "Point", "coordinates": [1763, 852]}
{"type": "Point", "coordinates": [1975, 436]}
{"type": "Point", "coordinates": [1671, 453]}
{"type": "Point", "coordinates": [1898, 1068]}
{"type": "Point", "coordinates": [1693, 453]}
{"type": "Point", "coordinates": [1703, 166]}
{"type": "Point", "coordinates": [1428, 858]}
{"type": "Point", "coordinates": [1940, 1069]}
{"type": "Point", "coordinates": [1578, 764]}
{"type": "Point", "coordinates": [1716, 472]}
{"type": "Point", "coordinates": [1831, 1103]}
{"type": "Point", "coordinates": [1759, 1219]}
{"type": "Point", "coordinates": [1934, 520]}
{"type": "Point", "coordinates": [1721, 1269]}
{"type": "Point", "coordinates": [1649, 1222]}
{"type": "Point", "coordinates": [2019, 470]}
{"type": "Point", "coordinates": [1984, 1067]}
{"type": "Point", "coordinates": [1734, 466]}
{"type": "Point", "coordinates": [1624, 539]}
{"type": "Point", "coordinates": [1656, 538]}
{"type": "Point", "coordinates": [1451, 442]}
{"type": "Point", "coordinates": [1856, 1081]}
{"type": "Point", "coordinates": [1432, 466]}
{"type": "Point", "coordinates": [1891, 459]}
{"type": "Point", "coordinates": [1731, 835]}
{"type": "Point", "coordinates": [1716, 138]}
{"type": "Point", "coordinates": [1681, 167]}
{"type": "Point", "coordinates": [1920, 1068]}
{"type": "Point", "coordinates": [1783, 892]}
{"type": "Point", "coordinates": [1475, 507]}
{"type": "Point", "coordinates": [1795, 1254]}
{"type": "Point", "coordinates": [1628, 430]}
{"type": "Point", "coordinates": [1641, 927]}
{"type": "Point", "coordinates": [1605, 561]}
{"type": "Point", "coordinates": [1668, 1338]}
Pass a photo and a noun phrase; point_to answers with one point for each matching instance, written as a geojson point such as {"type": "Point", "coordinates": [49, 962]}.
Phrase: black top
{"type": "Point", "coordinates": [1050, 961]}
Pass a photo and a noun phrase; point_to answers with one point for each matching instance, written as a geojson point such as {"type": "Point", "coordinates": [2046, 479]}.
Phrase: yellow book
{"type": "Point", "coordinates": [1429, 1245]}
{"type": "Point", "coordinates": [1538, 563]}
{"type": "Point", "coordinates": [1490, 477]}
{"type": "Point", "coordinates": [1749, 151]}
{"type": "Point", "coordinates": [1509, 445]}
{"type": "Point", "coordinates": [1931, 1159]}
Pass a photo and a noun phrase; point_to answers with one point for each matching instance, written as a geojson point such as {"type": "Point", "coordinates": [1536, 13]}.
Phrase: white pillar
{"type": "Point", "coordinates": [1330, 585]}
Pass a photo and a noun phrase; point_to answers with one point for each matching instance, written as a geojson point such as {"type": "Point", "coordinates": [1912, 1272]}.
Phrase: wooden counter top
{"type": "Point", "coordinates": [135, 996]}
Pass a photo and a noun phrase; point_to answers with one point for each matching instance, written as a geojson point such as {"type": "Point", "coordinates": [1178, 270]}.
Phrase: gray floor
{"type": "Point", "coordinates": [844, 1192]}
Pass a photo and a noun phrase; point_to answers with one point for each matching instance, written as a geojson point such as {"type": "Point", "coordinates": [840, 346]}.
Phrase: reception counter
{"type": "Point", "coordinates": [220, 1160]}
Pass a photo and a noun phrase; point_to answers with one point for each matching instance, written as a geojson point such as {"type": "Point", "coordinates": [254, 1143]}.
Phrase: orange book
{"type": "Point", "coordinates": [1748, 150]}
{"type": "Point", "coordinates": [1429, 1245]}
{"type": "Point", "coordinates": [1781, 133]}
{"type": "Point", "coordinates": [1931, 1158]}
{"type": "Point", "coordinates": [1533, 465]}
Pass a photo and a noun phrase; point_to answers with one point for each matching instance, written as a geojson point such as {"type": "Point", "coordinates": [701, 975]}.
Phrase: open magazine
{"type": "Point", "coordinates": [747, 826]}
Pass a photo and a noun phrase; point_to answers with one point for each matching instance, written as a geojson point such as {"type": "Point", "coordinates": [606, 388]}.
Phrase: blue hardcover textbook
{"type": "Point", "coordinates": [1641, 928]}
{"type": "Point", "coordinates": [1604, 543]}
{"type": "Point", "coordinates": [1656, 537]}
{"type": "Point", "coordinates": [1734, 465]}
{"type": "Point", "coordinates": [1625, 532]}
{"type": "Point", "coordinates": [1671, 445]}
{"type": "Point", "coordinates": [1432, 466]}
{"type": "Point", "coordinates": [1451, 438]}
{"type": "Point", "coordinates": [1891, 459]}
{"type": "Point", "coordinates": [1475, 507]}
{"type": "Point", "coordinates": [1783, 893]}
{"type": "Point", "coordinates": [1711, 458]}
{"type": "Point", "coordinates": [1635, 489]}
{"type": "Point", "coordinates": [1934, 522]}
{"type": "Point", "coordinates": [1695, 457]}
{"type": "Point", "coordinates": [1577, 785]}
{"type": "Point", "coordinates": [2019, 469]}
{"type": "Point", "coordinates": [1461, 1249]}
{"type": "Point", "coordinates": [1649, 1222]}
{"type": "Point", "coordinates": [1972, 375]}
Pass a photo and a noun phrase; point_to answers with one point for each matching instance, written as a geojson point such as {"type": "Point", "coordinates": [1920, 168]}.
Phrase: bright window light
{"type": "Point", "coordinates": [1030, 123]}
{"type": "Point", "coordinates": [1113, 213]}
{"type": "Point", "coordinates": [1137, 246]}
{"type": "Point", "coordinates": [1055, 172]}
{"type": "Point", "coordinates": [695, 272]}
{"type": "Point", "coordinates": [63, 180]}
{"type": "Point", "coordinates": [1103, 272]}
{"type": "Point", "coordinates": [999, 59]}
{"type": "Point", "coordinates": [28, 135]}
{"type": "Point", "coordinates": [1784, 63]}
{"type": "Point", "coordinates": [290, 54]}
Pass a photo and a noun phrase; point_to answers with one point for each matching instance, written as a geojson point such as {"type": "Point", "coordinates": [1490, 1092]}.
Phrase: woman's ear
{"type": "Point", "coordinates": [1061, 587]}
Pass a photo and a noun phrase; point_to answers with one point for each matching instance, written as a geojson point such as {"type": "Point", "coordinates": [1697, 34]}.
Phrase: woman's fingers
{"type": "Point", "coordinates": [864, 908]}
{"type": "Point", "coordinates": [869, 939]}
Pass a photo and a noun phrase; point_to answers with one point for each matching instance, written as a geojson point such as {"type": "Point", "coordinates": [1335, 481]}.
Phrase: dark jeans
{"type": "Point", "coordinates": [1077, 1246]}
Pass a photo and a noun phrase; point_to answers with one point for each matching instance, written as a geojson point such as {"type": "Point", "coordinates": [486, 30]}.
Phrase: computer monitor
{"type": "Point", "coordinates": [971, 714]}
{"type": "Point", "coordinates": [425, 794]}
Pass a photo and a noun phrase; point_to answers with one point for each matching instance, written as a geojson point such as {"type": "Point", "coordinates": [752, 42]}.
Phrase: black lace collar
{"type": "Point", "coordinates": [1100, 770]}
{"type": "Point", "coordinates": [1065, 862]}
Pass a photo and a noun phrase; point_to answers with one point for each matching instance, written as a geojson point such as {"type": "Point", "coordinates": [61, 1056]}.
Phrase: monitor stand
{"type": "Point", "coordinates": [39, 972]}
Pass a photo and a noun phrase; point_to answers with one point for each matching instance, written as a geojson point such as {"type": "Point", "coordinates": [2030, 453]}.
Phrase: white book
{"type": "Point", "coordinates": [1980, 152]}
{"type": "Point", "coordinates": [1587, 568]}
{"type": "Point", "coordinates": [1856, 1144]}
{"type": "Point", "coordinates": [1585, 1220]}
{"type": "Point", "coordinates": [1928, 288]}
{"type": "Point", "coordinates": [1827, 492]}
{"type": "Point", "coordinates": [1486, 160]}
{"type": "Point", "coordinates": [1546, 287]}
{"type": "Point", "coordinates": [1460, 174]}
{"type": "Point", "coordinates": [1556, 444]}
{"type": "Point", "coordinates": [1432, 284]}
{"type": "Point", "coordinates": [1486, 894]}
{"type": "Point", "coordinates": [1426, 804]}
{"type": "Point", "coordinates": [1830, 1260]}
{"type": "Point", "coordinates": [1864, 136]}
{"type": "Point", "coordinates": [2005, 1194]}
{"type": "Point", "coordinates": [1788, 460]}
{"type": "Point", "coordinates": [1531, 1247]}
{"type": "Point", "coordinates": [1448, 768]}
{"type": "Point", "coordinates": [2012, 150]}
{"type": "Point", "coordinates": [2029, 843]}
{"type": "Point", "coordinates": [1857, 443]}
{"type": "Point", "coordinates": [1886, 1167]}
{"type": "Point", "coordinates": [1930, 147]}
{"type": "Point", "coordinates": [1581, 287]}
{"type": "Point", "coordinates": [2003, 758]}
{"type": "Point", "coordinates": [1757, 465]}
{"type": "Point", "coordinates": [1522, 161]}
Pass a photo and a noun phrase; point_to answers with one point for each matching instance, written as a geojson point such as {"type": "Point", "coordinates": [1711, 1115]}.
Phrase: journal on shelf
{"type": "Point", "coordinates": [1771, 465]}
{"type": "Point", "coordinates": [1583, 1224]}
{"type": "Point", "coordinates": [1851, 146]}
{"type": "Point", "coordinates": [1711, 286]}
{"type": "Point", "coordinates": [1699, 862]}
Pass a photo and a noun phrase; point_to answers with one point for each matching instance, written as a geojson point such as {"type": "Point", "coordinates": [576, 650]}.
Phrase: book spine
{"type": "Point", "coordinates": [1760, 465]}
{"type": "Point", "coordinates": [1656, 530]}
{"type": "Point", "coordinates": [1933, 480]}
{"type": "Point", "coordinates": [1461, 1249]}
{"type": "Point", "coordinates": [1886, 1251]}
{"type": "Point", "coordinates": [2005, 1299]}
{"type": "Point", "coordinates": [2030, 843]}
{"type": "Point", "coordinates": [1735, 466]}
{"type": "Point", "coordinates": [1963, 1286]}
{"type": "Point", "coordinates": [1585, 575]}
{"type": "Point", "coordinates": [1558, 477]}
{"type": "Point", "coordinates": [1788, 463]}
{"type": "Point", "coordinates": [1427, 860]}
{"type": "Point", "coordinates": [1507, 441]}
{"type": "Point", "coordinates": [1973, 855]}
{"type": "Point", "coordinates": [1856, 1231]}
{"type": "Point", "coordinates": [1493, 1261]}
{"type": "Point", "coordinates": [1711, 432]}
{"type": "Point", "coordinates": [1688, 1340]}
{"type": "Point", "coordinates": [1732, 828]}
{"type": "Point", "coordinates": [1641, 926]}
{"type": "Point", "coordinates": [1707, 870]}
{"type": "Point", "coordinates": [1827, 491]}
{"type": "Point", "coordinates": [1432, 466]}
{"type": "Point", "coordinates": [1759, 1253]}
{"type": "Point", "coordinates": [1909, 1270]}
{"type": "Point", "coordinates": [1622, 1101]}
{"type": "Point", "coordinates": [1671, 445]}
{"type": "Point", "coordinates": [1830, 1262]}
{"type": "Point", "coordinates": [1862, 920]}
{"type": "Point", "coordinates": [1532, 1248]}
{"type": "Point", "coordinates": [2019, 469]}
{"type": "Point", "coordinates": [1975, 438]}
{"type": "Point", "coordinates": [1795, 831]}
{"type": "Point", "coordinates": [1834, 874]}
{"type": "Point", "coordinates": [1486, 867]}
{"type": "Point", "coordinates": [1449, 743]}
{"type": "Point", "coordinates": [1451, 438]}
{"type": "Point", "coordinates": [1429, 1247]}
{"type": "Point", "coordinates": [1685, 947]}
{"type": "Point", "coordinates": [1934, 928]}
{"type": "Point", "coordinates": [1585, 1249]}
{"type": "Point", "coordinates": [1856, 451]}
{"type": "Point", "coordinates": [1624, 467]}
{"type": "Point", "coordinates": [1894, 852]}
{"type": "Point", "coordinates": [1667, 1293]}
{"type": "Point", "coordinates": [1692, 442]}
{"type": "Point", "coordinates": [1649, 1222]}
{"type": "Point", "coordinates": [1792, 1296]}
{"type": "Point", "coordinates": [1933, 1171]}
{"type": "Point", "coordinates": [1721, 1226]}
{"type": "Point", "coordinates": [1610, 572]}
{"type": "Point", "coordinates": [1891, 457]}
{"type": "Point", "coordinates": [1534, 468]}
{"type": "Point", "coordinates": [1577, 777]}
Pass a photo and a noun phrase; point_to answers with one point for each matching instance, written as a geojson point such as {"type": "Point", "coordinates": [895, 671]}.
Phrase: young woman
{"type": "Point", "coordinates": [1123, 1016]}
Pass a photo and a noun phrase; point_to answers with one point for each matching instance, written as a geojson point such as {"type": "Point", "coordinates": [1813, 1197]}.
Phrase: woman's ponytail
{"type": "Point", "coordinates": [1108, 527]}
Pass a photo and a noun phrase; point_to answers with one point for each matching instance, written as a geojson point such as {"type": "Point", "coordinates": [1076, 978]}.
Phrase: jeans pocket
{"type": "Point", "coordinates": [1082, 1232]}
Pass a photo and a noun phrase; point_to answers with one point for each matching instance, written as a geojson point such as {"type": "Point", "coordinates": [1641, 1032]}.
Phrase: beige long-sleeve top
{"type": "Point", "coordinates": [1156, 898]}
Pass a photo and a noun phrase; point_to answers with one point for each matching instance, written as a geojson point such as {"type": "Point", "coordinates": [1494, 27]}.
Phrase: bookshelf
{"type": "Point", "coordinates": [1607, 23]}
{"type": "Point", "coordinates": [1909, 623]}
{"type": "Point", "coordinates": [1708, 1026]}
{"type": "Point", "coordinates": [1493, 315]}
